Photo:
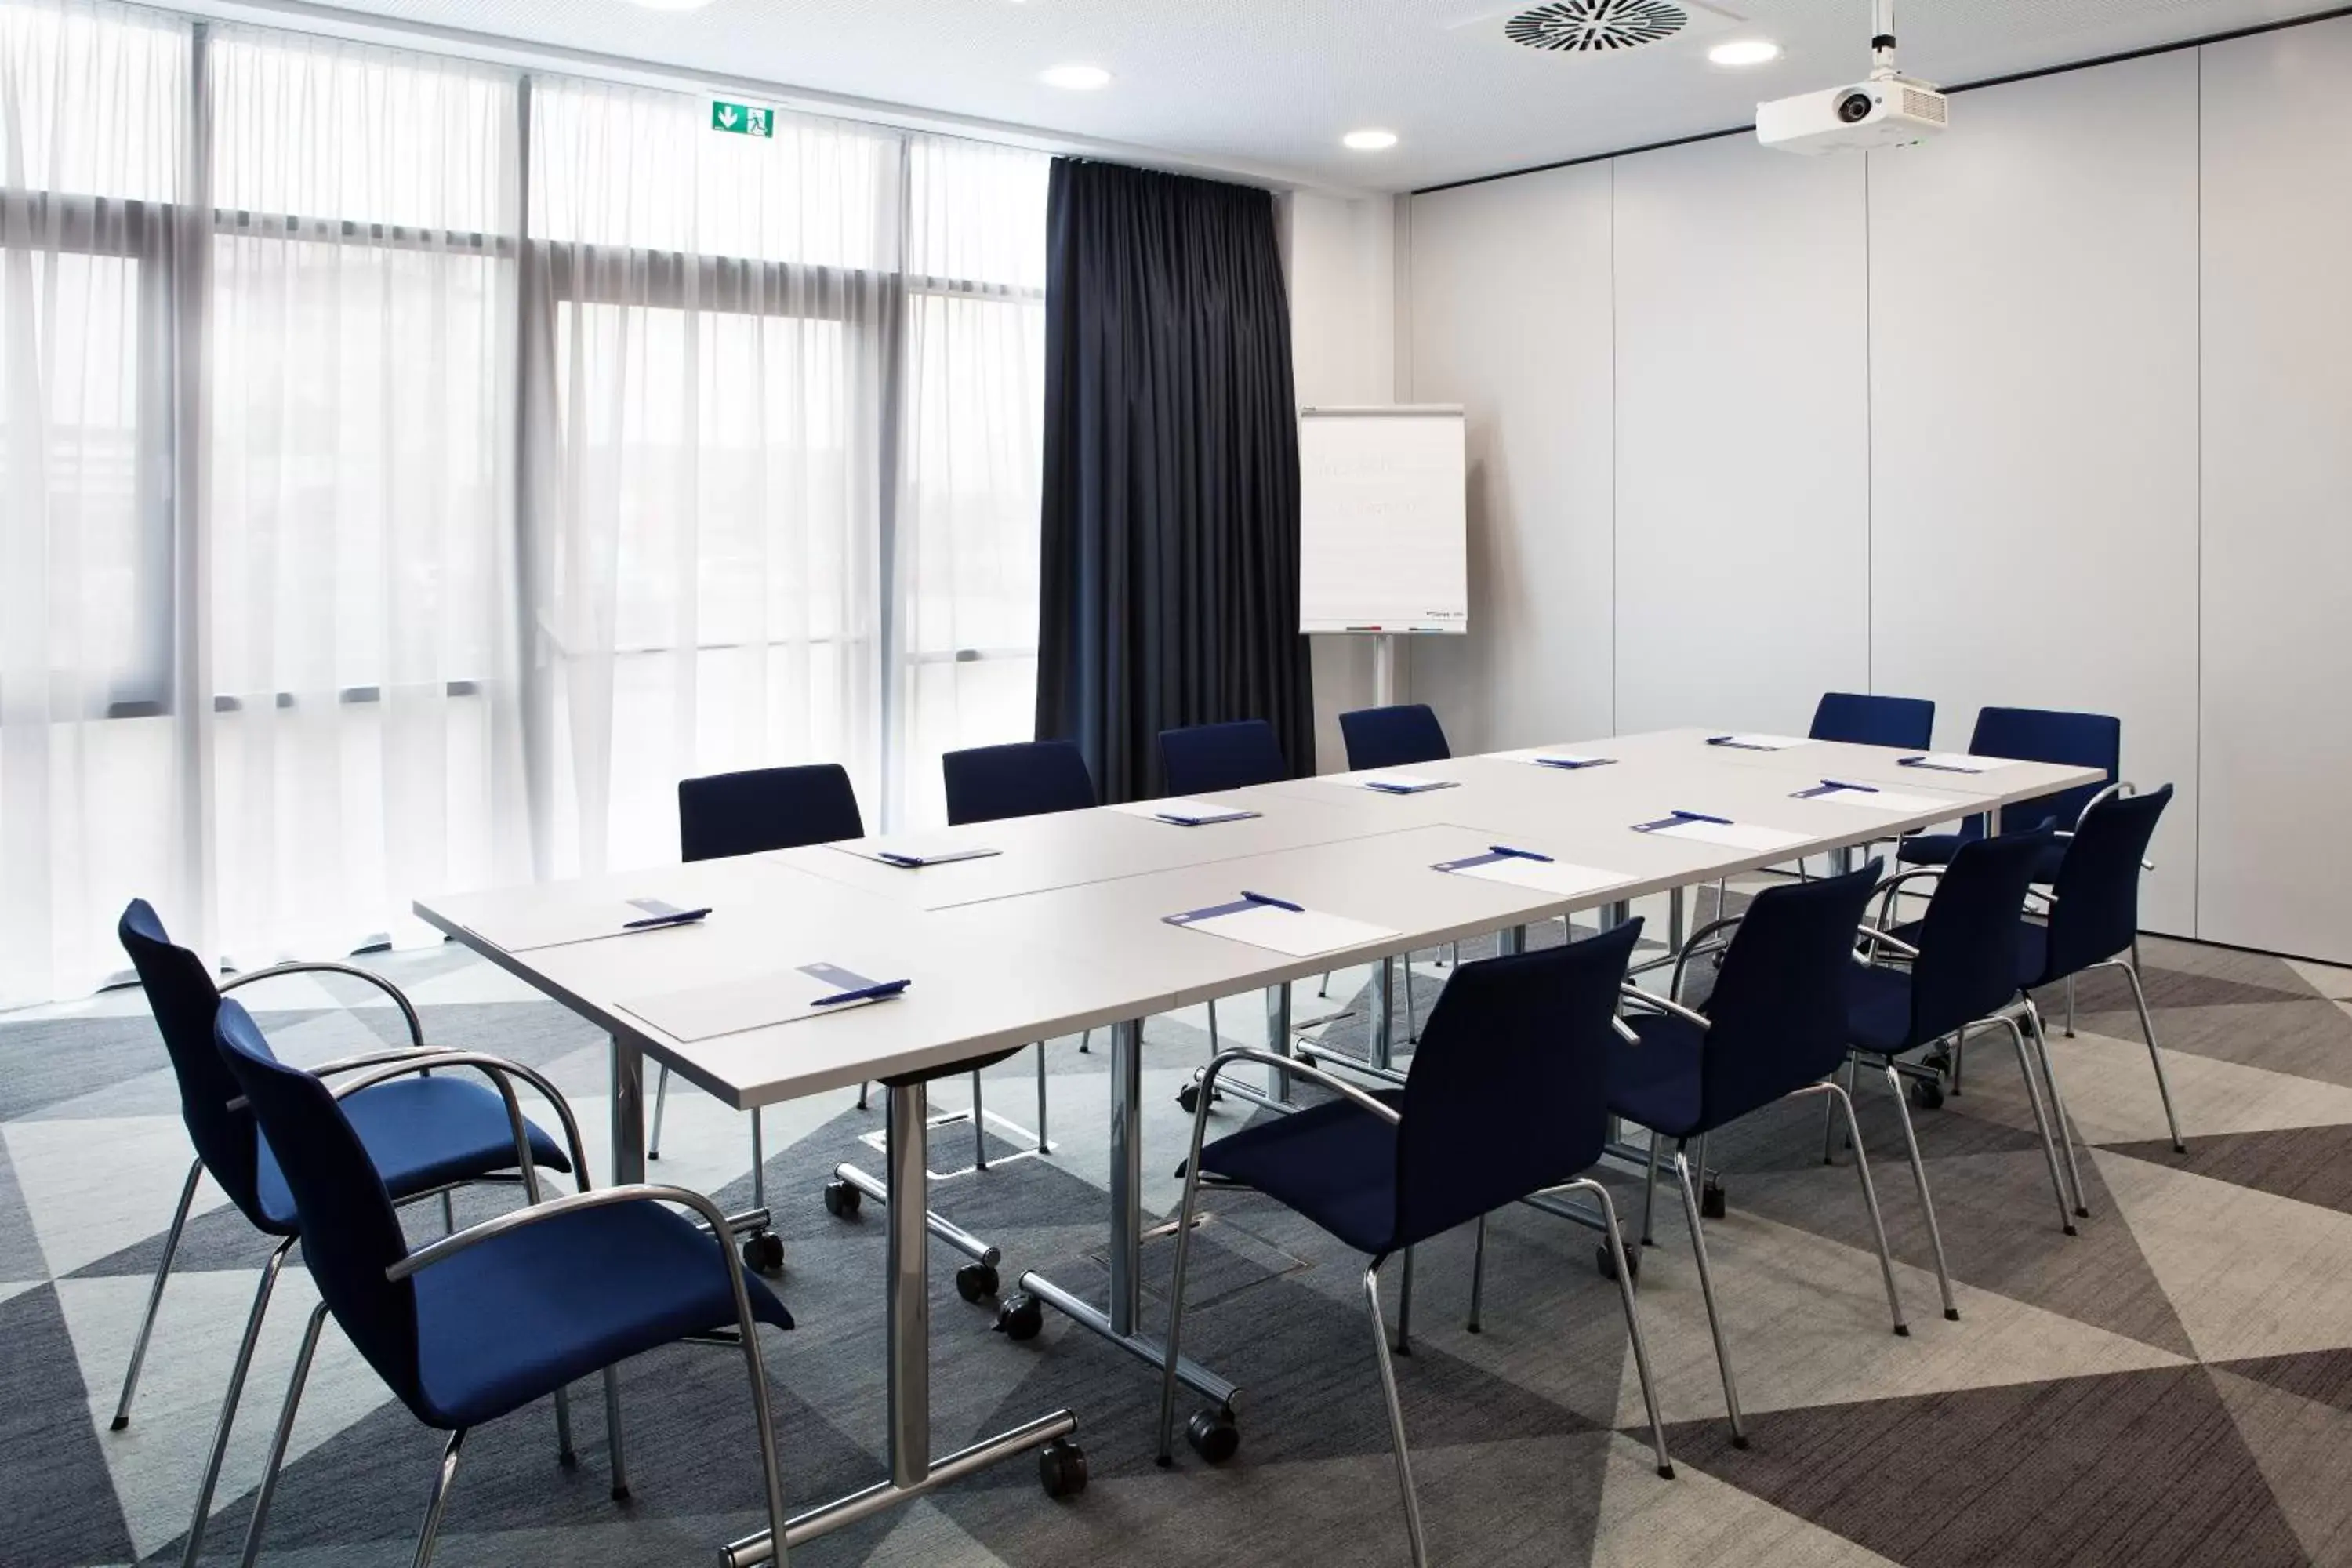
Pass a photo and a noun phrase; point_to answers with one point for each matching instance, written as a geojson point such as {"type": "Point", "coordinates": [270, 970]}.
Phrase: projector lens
{"type": "Point", "coordinates": [1854, 107]}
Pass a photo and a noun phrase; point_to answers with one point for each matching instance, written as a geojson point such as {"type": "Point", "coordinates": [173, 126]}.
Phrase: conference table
{"type": "Point", "coordinates": [1065, 927]}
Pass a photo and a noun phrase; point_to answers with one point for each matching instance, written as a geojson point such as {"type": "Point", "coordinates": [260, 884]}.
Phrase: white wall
{"type": "Point", "coordinates": [1510, 313]}
{"type": "Point", "coordinates": [2277, 675]}
{"type": "Point", "coordinates": [1342, 266]}
{"type": "Point", "coordinates": [1743, 421]}
{"type": "Point", "coordinates": [1998, 420]}
{"type": "Point", "coordinates": [2034, 421]}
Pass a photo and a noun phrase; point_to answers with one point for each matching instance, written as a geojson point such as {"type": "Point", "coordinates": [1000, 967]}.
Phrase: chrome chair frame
{"type": "Point", "coordinates": [1188, 1214]}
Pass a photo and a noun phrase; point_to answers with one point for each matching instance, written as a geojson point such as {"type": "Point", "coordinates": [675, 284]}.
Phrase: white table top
{"type": "Point", "coordinates": [1065, 931]}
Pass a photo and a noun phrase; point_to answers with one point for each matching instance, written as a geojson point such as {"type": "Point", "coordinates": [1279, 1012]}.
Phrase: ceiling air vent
{"type": "Point", "coordinates": [1587, 28]}
{"type": "Point", "coordinates": [1595, 26]}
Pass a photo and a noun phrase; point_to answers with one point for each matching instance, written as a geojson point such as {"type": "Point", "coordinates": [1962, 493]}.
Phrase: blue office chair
{"type": "Point", "coordinates": [2093, 923]}
{"type": "Point", "coordinates": [501, 1314]}
{"type": "Point", "coordinates": [1026, 778]}
{"type": "Point", "coordinates": [1395, 737]}
{"type": "Point", "coordinates": [1952, 971]}
{"type": "Point", "coordinates": [425, 1134]}
{"type": "Point", "coordinates": [1867, 720]}
{"type": "Point", "coordinates": [1206, 758]}
{"type": "Point", "coordinates": [1773, 1029]}
{"type": "Point", "coordinates": [2031, 735]}
{"type": "Point", "coordinates": [1384, 1172]}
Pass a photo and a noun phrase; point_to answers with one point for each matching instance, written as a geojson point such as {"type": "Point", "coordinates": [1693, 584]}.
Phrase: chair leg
{"type": "Point", "coordinates": [155, 1293]}
{"type": "Point", "coordinates": [242, 1364]}
{"type": "Point", "coordinates": [864, 1089]}
{"type": "Point", "coordinates": [1184, 1215]}
{"type": "Point", "coordinates": [439, 1500]}
{"type": "Point", "coordinates": [2070, 1006]}
{"type": "Point", "coordinates": [448, 1215]}
{"type": "Point", "coordinates": [1396, 1416]}
{"type": "Point", "coordinates": [1087, 1043]}
{"type": "Point", "coordinates": [1844, 1101]}
{"type": "Point", "coordinates": [2040, 1122]}
{"type": "Point", "coordinates": [1216, 1039]}
{"type": "Point", "coordinates": [661, 1103]}
{"type": "Point", "coordinates": [1633, 1318]}
{"type": "Point", "coordinates": [284, 1435]}
{"type": "Point", "coordinates": [1412, 1026]}
{"type": "Point", "coordinates": [1477, 1276]}
{"type": "Point", "coordinates": [1926, 1204]}
{"type": "Point", "coordinates": [1323, 988]}
{"type": "Point", "coordinates": [1707, 1293]}
{"type": "Point", "coordinates": [613, 1435]}
{"type": "Point", "coordinates": [2147, 1033]}
{"type": "Point", "coordinates": [2040, 1030]}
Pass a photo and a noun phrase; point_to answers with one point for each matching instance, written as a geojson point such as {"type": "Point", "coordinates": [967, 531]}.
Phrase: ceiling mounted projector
{"type": "Point", "coordinates": [1890, 110]}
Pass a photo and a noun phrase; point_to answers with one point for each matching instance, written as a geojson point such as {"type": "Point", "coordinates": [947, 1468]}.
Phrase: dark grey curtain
{"type": "Point", "coordinates": [1169, 592]}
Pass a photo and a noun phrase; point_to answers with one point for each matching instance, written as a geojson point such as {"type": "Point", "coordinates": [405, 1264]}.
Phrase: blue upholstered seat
{"type": "Point", "coordinates": [1209, 757]}
{"type": "Point", "coordinates": [1026, 778]}
{"type": "Point", "coordinates": [766, 808]}
{"type": "Point", "coordinates": [2033, 735]}
{"type": "Point", "coordinates": [1335, 1165]}
{"type": "Point", "coordinates": [419, 1133]}
{"type": "Point", "coordinates": [1868, 718]}
{"type": "Point", "coordinates": [1656, 1082]}
{"type": "Point", "coordinates": [1395, 737]}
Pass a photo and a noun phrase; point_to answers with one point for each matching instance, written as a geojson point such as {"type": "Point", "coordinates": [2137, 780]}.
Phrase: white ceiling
{"type": "Point", "coordinates": [1269, 87]}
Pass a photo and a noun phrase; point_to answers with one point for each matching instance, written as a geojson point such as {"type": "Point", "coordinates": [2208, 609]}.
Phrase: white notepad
{"type": "Point", "coordinates": [1555, 876]}
{"type": "Point", "coordinates": [1958, 763]}
{"type": "Point", "coordinates": [1301, 933]}
{"type": "Point", "coordinates": [560, 926]}
{"type": "Point", "coordinates": [910, 853]}
{"type": "Point", "coordinates": [1389, 784]}
{"type": "Point", "coordinates": [1758, 742]}
{"type": "Point", "coordinates": [1184, 812]}
{"type": "Point", "coordinates": [1890, 801]}
{"type": "Point", "coordinates": [1553, 757]}
{"type": "Point", "coordinates": [1734, 835]}
{"type": "Point", "coordinates": [729, 1008]}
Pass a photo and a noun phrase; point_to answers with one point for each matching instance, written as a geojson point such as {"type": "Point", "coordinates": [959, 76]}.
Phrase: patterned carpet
{"type": "Point", "coordinates": [2171, 1387]}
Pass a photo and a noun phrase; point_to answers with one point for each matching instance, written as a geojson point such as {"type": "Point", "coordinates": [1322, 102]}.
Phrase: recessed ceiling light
{"type": "Point", "coordinates": [1370, 141]}
{"type": "Point", "coordinates": [1077, 78]}
{"type": "Point", "coordinates": [1744, 52]}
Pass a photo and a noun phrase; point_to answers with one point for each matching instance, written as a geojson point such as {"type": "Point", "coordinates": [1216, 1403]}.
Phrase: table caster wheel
{"type": "Point", "coordinates": [1212, 1433]}
{"type": "Point", "coordinates": [1711, 1201]}
{"type": "Point", "coordinates": [1926, 1093]}
{"type": "Point", "coordinates": [1062, 1469]}
{"type": "Point", "coordinates": [975, 1280]}
{"type": "Point", "coordinates": [763, 1252]}
{"type": "Point", "coordinates": [841, 1199]}
{"type": "Point", "coordinates": [1607, 1264]}
{"type": "Point", "coordinates": [1019, 1316]}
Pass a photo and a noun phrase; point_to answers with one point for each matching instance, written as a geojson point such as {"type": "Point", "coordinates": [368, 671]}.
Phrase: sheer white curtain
{"type": "Point", "coordinates": [365, 738]}
{"type": "Point", "coordinates": [93, 808]}
{"type": "Point", "coordinates": [965, 554]}
{"type": "Point", "coordinates": [713, 318]}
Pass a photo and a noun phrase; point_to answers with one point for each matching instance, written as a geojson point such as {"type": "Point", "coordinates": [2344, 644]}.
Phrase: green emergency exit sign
{"type": "Point", "coordinates": [742, 118]}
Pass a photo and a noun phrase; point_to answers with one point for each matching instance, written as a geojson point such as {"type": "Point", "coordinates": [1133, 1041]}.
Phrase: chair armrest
{"type": "Point", "coordinates": [1887, 891]}
{"type": "Point", "coordinates": [1696, 945]}
{"type": "Point", "coordinates": [1878, 939]}
{"type": "Point", "coordinates": [501, 1074]}
{"type": "Point", "coordinates": [1665, 1004]}
{"type": "Point", "coordinates": [1296, 1068]}
{"type": "Point", "coordinates": [376, 1058]}
{"type": "Point", "coordinates": [399, 997]}
{"type": "Point", "coordinates": [490, 1229]}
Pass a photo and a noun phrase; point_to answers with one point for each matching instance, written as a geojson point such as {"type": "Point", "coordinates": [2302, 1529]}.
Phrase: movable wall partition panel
{"type": "Point", "coordinates": [2054, 412]}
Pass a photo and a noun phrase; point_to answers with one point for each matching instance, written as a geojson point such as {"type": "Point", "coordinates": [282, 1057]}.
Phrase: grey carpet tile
{"type": "Point", "coordinates": [2309, 1164]}
{"type": "Point", "coordinates": [20, 1249]}
{"type": "Point", "coordinates": [54, 1060]}
{"type": "Point", "coordinates": [2323, 1376]}
{"type": "Point", "coordinates": [2304, 1037]}
{"type": "Point", "coordinates": [59, 1508]}
{"type": "Point", "coordinates": [2114, 1471]}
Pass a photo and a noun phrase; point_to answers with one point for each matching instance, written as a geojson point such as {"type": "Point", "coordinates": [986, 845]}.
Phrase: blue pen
{"type": "Point", "coordinates": [1699, 816]}
{"type": "Point", "coordinates": [887, 989]}
{"type": "Point", "coordinates": [677, 918]}
{"type": "Point", "coordinates": [1505, 849]}
{"type": "Point", "coordinates": [1840, 784]}
{"type": "Point", "coordinates": [1278, 903]}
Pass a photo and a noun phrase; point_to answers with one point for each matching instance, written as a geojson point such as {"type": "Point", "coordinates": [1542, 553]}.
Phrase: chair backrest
{"type": "Point", "coordinates": [1967, 967]}
{"type": "Point", "coordinates": [2047, 735]}
{"type": "Point", "coordinates": [2097, 912]}
{"type": "Point", "coordinates": [1778, 1013]}
{"type": "Point", "coordinates": [766, 808]}
{"type": "Point", "coordinates": [181, 994]}
{"type": "Point", "coordinates": [350, 1233]}
{"type": "Point", "coordinates": [1510, 1088]}
{"type": "Point", "coordinates": [1394, 737]}
{"type": "Point", "coordinates": [1209, 757]}
{"type": "Point", "coordinates": [1027, 778]}
{"type": "Point", "coordinates": [1865, 719]}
